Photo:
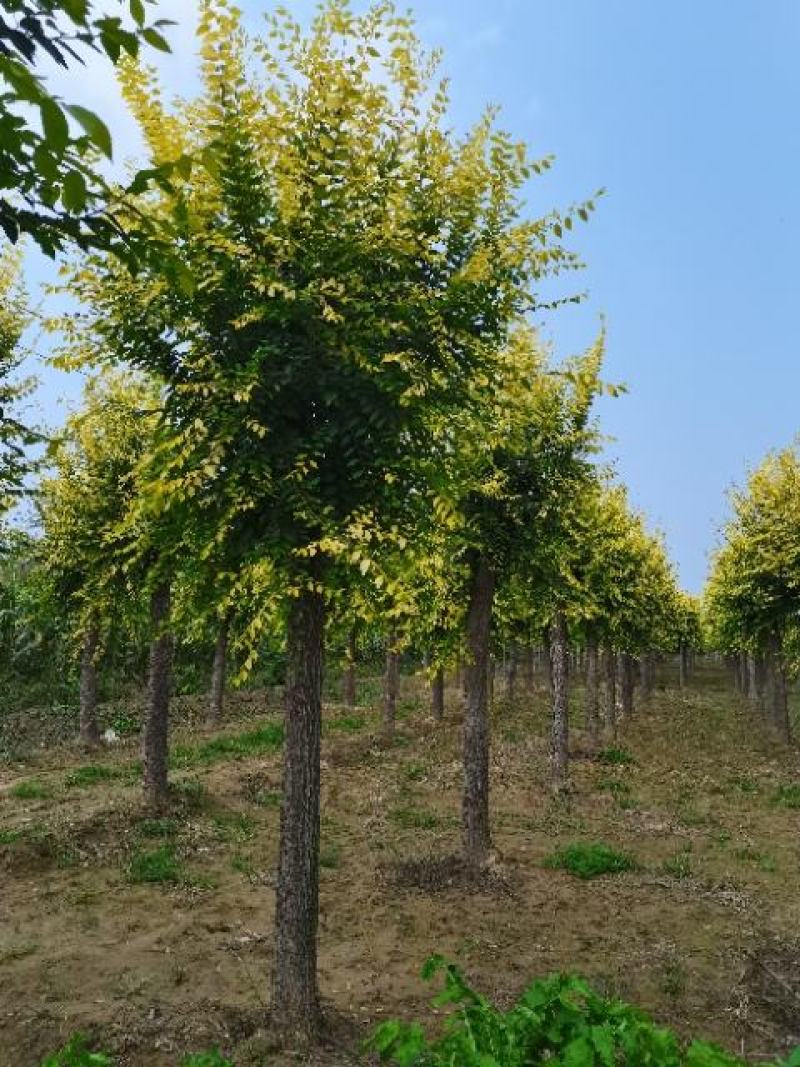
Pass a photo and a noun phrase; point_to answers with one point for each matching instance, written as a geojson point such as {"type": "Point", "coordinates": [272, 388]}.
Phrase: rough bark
{"type": "Point", "coordinates": [349, 678]}
{"type": "Point", "coordinates": [752, 681]}
{"type": "Point", "coordinates": [627, 679]}
{"type": "Point", "coordinates": [89, 730]}
{"type": "Point", "coordinates": [437, 695]}
{"type": "Point", "coordinates": [218, 669]}
{"type": "Point", "coordinates": [475, 809]}
{"type": "Point", "coordinates": [295, 997]}
{"type": "Point", "coordinates": [159, 686]}
{"type": "Point", "coordinates": [610, 692]}
{"type": "Point", "coordinates": [592, 694]}
{"type": "Point", "coordinates": [527, 666]}
{"type": "Point", "coordinates": [391, 682]}
{"type": "Point", "coordinates": [559, 740]}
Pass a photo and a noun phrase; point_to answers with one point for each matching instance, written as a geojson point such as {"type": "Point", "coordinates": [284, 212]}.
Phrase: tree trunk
{"type": "Point", "coordinates": [683, 665]}
{"type": "Point", "coordinates": [511, 673]}
{"type": "Point", "coordinates": [610, 692]}
{"type": "Point", "coordinates": [627, 679]}
{"type": "Point", "coordinates": [437, 695]}
{"type": "Point", "coordinates": [295, 997]}
{"type": "Point", "coordinates": [475, 811]}
{"type": "Point", "coordinates": [778, 703]}
{"type": "Point", "coordinates": [752, 682]}
{"type": "Point", "coordinates": [559, 744]}
{"type": "Point", "coordinates": [89, 730]}
{"type": "Point", "coordinates": [155, 752]}
{"type": "Point", "coordinates": [349, 679]}
{"type": "Point", "coordinates": [527, 664]}
{"type": "Point", "coordinates": [592, 695]}
{"type": "Point", "coordinates": [218, 675]}
{"type": "Point", "coordinates": [391, 683]}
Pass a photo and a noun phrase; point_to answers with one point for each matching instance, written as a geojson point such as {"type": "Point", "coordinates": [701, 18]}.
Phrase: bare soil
{"type": "Point", "coordinates": [702, 934]}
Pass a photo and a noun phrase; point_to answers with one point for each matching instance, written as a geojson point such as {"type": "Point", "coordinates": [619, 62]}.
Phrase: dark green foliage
{"type": "Point", "coordinates": [559, 1021]}
{"type": "Point", "coordinates": [590, 860]}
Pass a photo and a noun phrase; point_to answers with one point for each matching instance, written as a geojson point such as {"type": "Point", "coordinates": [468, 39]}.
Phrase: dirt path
{"type": "Point", "coordinates": [156, 935]}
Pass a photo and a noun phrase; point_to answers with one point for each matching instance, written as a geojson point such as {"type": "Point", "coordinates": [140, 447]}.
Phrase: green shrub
{"type": "Point", "coordinates": [30, 790]}
{"type": "Point", "coordinates": [76, 1053]}
{"type": "Point", "coordinates": [559, 1020]}
{"type": "Point", "coordinates": [589, 860]}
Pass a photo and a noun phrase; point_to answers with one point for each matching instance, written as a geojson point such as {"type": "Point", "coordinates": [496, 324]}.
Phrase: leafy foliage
{"type": "Point", "coordinates": [590, 860]}
{"type": "Point", "coordinates": [559, 1020]}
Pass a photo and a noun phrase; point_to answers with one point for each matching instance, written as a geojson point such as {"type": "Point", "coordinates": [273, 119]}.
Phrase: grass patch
{"type": "Point", "coordinates": [678, 866]}
{"type": "Point", "coordinates": [346, 724]}
{"type": "Point", "coordinates": [415, 819]}
{"type": "Point", "coordinates": [236, 828]}
{"type": "Point", "coordinates": [30, 790]}
{"type": "Point", "coordinates": [91, 774]}
{"type": "Point", "coordinates": [18, 952]}
{"type": "Point", "coordinates": [329, 856]}
{"type": "Point", "coordinates": [787, 796]}
{"type": "Point", "coordinates": [158, 827]}
{"type": "Point", "coordinates": [615, 757]}
{"type": "Point", "coordinates": [620, 791]}
{"type": "Point", "coordinates": [590, 860]}
{"type": "Point", "coordinates": [267, 738]}
{"type": "Point", "coordinates": [159, 865]}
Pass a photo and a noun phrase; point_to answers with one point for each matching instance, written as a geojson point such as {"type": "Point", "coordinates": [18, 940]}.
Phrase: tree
{"type": "Point", "coordinates": [84, 505]}
{"type": "Point", "coordinates": [351, 272]}
{"type": "Point", "coordinates": [50, 187]}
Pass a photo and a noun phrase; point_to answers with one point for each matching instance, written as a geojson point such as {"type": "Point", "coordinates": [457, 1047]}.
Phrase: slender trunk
{"type": "Point", "coordinates": [778, 703]}
{"type": "Point", "coordinates": [650, 660]}
{"type": "Point", "coordinates": [627, 685]}
{"type": "Point", "coordinates": [511, 673]}
{"type": "Point", "coordinates": [527, 666]}
{"type": "Point", "coordinates": [349, 679]}
{"type": "Point", "coordinates": [155, 734]}
{"type": "Point", "coordinates": [218, 675]}
{"type": "Point", "coordinates": [475, 811]}
{"type": "Point", "coordinates": [559, 744]}
{"type": "Point", "coordinates": [548, 666]}
{"type": "Point", "coordinates": [610, 692]}
{"type": "Point", "coordinates": [683, 665]}
{"type": "Point", "coordinates": [391, 683]}
{"type": "Point", "coordinates": [89, 730]}
{"type": "Point", "coordinates": [592, 695]}
{"type": "Point", "coordinates": [437, 695]}
{"type": "Point", "coordinates": [295, 997]}
{"type": "Point", "coordinates": [752, 682]}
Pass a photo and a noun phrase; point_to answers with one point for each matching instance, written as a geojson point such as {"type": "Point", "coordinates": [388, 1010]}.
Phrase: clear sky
{"type": "Point", "coordinates": [688, 113]}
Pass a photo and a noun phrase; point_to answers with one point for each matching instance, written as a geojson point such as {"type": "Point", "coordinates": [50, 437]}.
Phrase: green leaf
{"type": "Point", "coordinates": [73, 192]}
{"type": "Point", "coordinates": [137, 12]}
{"type": "Point", "coordinates": [94, 126]}
{"type": "Point", "coordinates": [55, 125]}
{"type": "Point", "coordinates": [155, 40]}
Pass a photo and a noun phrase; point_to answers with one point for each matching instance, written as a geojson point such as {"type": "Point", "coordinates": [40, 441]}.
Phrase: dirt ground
{"type": "Point", "coordinates": [155, 936]}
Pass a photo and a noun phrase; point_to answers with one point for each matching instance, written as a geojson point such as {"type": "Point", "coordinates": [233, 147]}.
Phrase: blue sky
{"type": "Point", "coordinates": [688, 113]}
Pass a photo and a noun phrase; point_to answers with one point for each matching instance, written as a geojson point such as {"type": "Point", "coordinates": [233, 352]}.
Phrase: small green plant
{"type": "Point", "coordinates": [415, 819]}
{"type": "Point", "coordinates": [154, 866]}
{"type": "Point", "coordinates": [330, 855]}
{"type": "Point", "coordinates": [235, 827]}
{"type": "Point", "coordinates": [414, 772]}
{"type": "Point", "coordinates": [678, 866]}
{"type": "Point", "coordinates": [346, 724]}
{"type": "Point", "coordinates": [30, 790]}
{"type": "Point", "coordinates": [158, 827]}
{"type": "Point", "coordinates": [620, 791]}
{"type": "Point", "coordinates": [590, 860]}
{"type": "Point", "coordinates": [124, 723]}
{"type": "Point", "coordinates": [76, 1053]}
{"type": "Point", "coordinates": [558, 1020]}
{"type": "Point", "coordinates": [267, 738]}
{"type": "Point", "coordinates": [615, 757]}
{"type": "Point", "coordinates": [91, 774]}
{"type": "Point", "coordinates": [787, 796]}
{"type": "Point", "coordinates": [206, 1059]}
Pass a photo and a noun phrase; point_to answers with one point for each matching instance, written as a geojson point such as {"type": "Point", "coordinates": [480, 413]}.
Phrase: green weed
{"type": "Point", "coordinates": [76, 1053]}
{"type": "Point", "coordinates": [236, 828]}
{"type": "Point", "coordinates": [267, 738]}
{"type": "Point", "coordinates": [787, 796]}
{"type": "Point", "coordinates": [158, 827]}
{"type": "Point", "coordinates": [415, 819]}
{"type": "Point", "coordinates": [329, 856]}
{"type": "Point", "coordinates": [346, 724]}
{"type": "Point", "coordinates": [678, 866]}
{"type": "Point", "coordinates": [91, 774]}
{"type": "Point", "coordinates": [590, 860]}
{"type": "Point", "coordinates": [620, 791]}
{"type": "Point", "coordinates": [206, 1059]}
{"type": "Point", "coordinates": [617, 757]}
{"type": "Point", "coordinates": [559, 1019]}
{"type": "Point", "coordinates": [159, 865]}
{"type": "Point", "coordinates": [30, 790]}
